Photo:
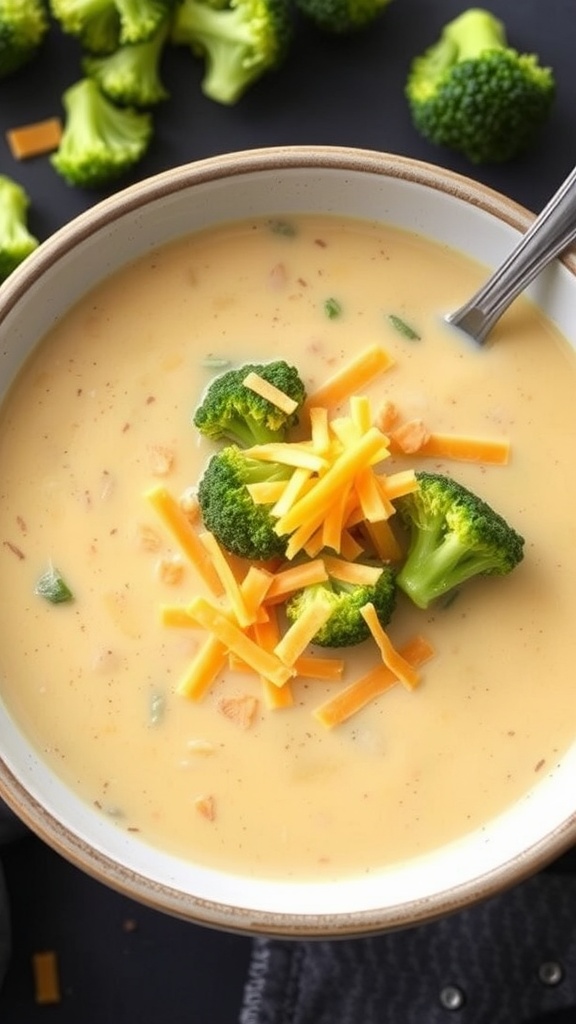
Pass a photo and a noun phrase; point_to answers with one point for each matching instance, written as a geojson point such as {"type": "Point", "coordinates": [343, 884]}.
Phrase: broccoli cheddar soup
{"type": "Point", "coordinates": [101, 418]}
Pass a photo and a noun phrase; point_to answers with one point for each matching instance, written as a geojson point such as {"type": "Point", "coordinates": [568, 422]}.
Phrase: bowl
{"type": "Point", "coordinates": [450, 209]}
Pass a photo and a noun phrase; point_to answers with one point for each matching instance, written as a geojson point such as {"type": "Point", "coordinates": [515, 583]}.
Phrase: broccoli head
{"type": "Point", "coordinates": [242, 527]}
{"type": "Point", "coordinates": [102, 25]}
{"type": "Point", "coordinates": [238, 42]}
{"type": "Point", "coordinates": [131, 74]}
{"type": "Point", "coordinates": [342, 16]}
{"type": "Point", "coordinates": [23, 26]}
{"type": "Point", "coordinates": [16, 241]}
{"type": "Point", "coordinates": [141, 19]}
{"type": "Point", "coordinates": [473, 93]}
{"type": "Point", "coordinates": [231, 411]}
{"type": "Point", "coordinates": [100, 141]}
{"type": "Point", "coordinates": [454, 536]}
{"type": "Point", "coordinates": [95, 23]}
{"type": "Point", "coordinates": [346, 625]}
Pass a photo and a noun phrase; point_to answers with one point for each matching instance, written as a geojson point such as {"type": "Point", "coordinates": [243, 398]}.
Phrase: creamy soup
{"type": "Point", "coordinates": [103, 410]}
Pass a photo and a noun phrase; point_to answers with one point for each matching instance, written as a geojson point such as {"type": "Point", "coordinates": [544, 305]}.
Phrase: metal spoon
{"type": "Point", "coordinates": [549, 235]}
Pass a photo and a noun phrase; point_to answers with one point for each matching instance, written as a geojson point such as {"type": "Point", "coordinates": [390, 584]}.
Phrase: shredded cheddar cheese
{"type": "Point", "coordinates": [270, 392]}
{"type": "Point", "coordinates": [394, 661]}
{"type": "Point", "coordinates": [300, 633]}
{"type": "Point", "coordinates": [352, 378]}
{"type": "Point", "coordinates": [334, 508]}
{"type": "Point", "coordinates": [34, 139]}
{"type": "Point", "coordinates": [46, 978]}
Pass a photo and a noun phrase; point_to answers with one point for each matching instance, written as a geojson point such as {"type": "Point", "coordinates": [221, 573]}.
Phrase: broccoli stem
{"type": "Point", "coordinates": [439, 564]}
{"type": "Point", "coordinates": [237, 44]}
{"type": "Point", "coordinates": [475, 31]}
{"type": "Point", "coordinates": [254, 433]}
{"type": "Point", "coordinates": [227, 37]}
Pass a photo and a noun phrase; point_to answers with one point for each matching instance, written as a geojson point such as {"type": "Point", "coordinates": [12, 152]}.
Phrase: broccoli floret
{"type": "Point", "coordinates": [102, 25]}
{"type": "Point", "coordinates": [23, 26]}
{"type": "Point", "coordinates": [231, 411]}
{"type": "Point", "coordinates": [140, 19]}
{"type": "Point", "coordinates": [342, 16]}
{"type": "Point", "coordinates": [346, 625]}
{"type": "Point", "coordinates": [454, 536]}
{"type": "Point", "coordinates": [95, 23]}
{"type": "Point", "coordinates": [238, 42]}
{"type": "Point", "coordinates": [131, 75]}
{"type": "Point", "coordinates": [242, 527]}
{"type": "Point", "coordinates": [16, 241]}
{"type": "Point", "coordinates": [473, 93]}
{"type": "Point", "coordinates": [100, 141]}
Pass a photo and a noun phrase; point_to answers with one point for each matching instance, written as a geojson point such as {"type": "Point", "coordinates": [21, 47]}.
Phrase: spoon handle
{"type": "Point", "coordinates": [552, 232]}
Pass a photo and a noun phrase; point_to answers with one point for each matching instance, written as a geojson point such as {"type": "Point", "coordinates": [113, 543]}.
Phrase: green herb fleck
{"type": "Point", "coordinates": [214, 362]}
{"type": "Point", "coordinates": [403, 328]}
{"type": "Point", "coordinates": [53, 588]}
{"type": "Point", "coordinates": [332, 308]}
{"type": "Point", "coordinates": [282, 227]}
{"type": "Point", "coordinates": [157, 707]}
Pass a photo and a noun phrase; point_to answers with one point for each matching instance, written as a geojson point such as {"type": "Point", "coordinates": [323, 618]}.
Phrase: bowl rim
{"type": "Point", "coordinates": [40, 820]}
{"type": "Point", "coordinates": [278, 158]}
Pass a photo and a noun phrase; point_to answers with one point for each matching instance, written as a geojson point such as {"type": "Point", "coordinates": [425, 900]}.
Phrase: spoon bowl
{"type": "Point", "coordinates": [549, 235]}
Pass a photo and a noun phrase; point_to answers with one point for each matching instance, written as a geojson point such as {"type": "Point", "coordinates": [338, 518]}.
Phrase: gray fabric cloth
{"type": "Point", "coordinates": [508, 960]}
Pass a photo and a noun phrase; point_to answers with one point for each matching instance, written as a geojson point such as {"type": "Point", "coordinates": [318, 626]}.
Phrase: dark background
{"type": "Point", "coordinates": [119, 961]}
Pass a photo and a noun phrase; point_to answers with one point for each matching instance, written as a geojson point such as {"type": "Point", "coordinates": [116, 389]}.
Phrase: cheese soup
{"type": "Point", "coordinates": [103, 410]}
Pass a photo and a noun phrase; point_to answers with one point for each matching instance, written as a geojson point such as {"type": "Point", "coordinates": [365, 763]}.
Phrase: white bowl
{"type": "Point", "coordinates": [403, 192]}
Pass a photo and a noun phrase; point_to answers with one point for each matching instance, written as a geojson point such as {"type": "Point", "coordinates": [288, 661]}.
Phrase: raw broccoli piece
{"type": "Point", "coordinates": [231, 411]}
{"type": "Point", "coordinates": [23, 26]}
{"type": "Point", "coordinates": [131, 75]}
{"type": "Point", "coordinates": [454, 536]}
{"type": "Point", "coordinates": [140, 19]}
{"type": "Point", "coordinates": [342, 16]}
{"type": "Point", "coordinates": [95, 23]}
{"type": "Point", "coordinates": [473, 93]}
{"type": "Point", "coordinates": [346, 625]}
{"type": "Point", "coordinates": [238, 42]}
{"type": "Point", "coordinates": [242, 527]}
{"type": "Point", "coordinates": [16, 241]}
{"type": "Point", "coordinates": [100, 141]}
{"type": "Point", "coordinates": [102, 25]}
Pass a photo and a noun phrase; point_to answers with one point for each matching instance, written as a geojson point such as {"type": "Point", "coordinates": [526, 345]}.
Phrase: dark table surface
{"type": "Point", "coordinates": [121, 962]}
{"type": "Point", "coordinates": [330, 91]}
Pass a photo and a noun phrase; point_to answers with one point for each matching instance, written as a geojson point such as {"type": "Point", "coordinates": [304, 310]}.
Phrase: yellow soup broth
{"type": "Point", "coordinates": [102, 412]}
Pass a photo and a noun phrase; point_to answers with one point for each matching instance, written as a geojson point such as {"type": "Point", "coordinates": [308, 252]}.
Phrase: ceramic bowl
{"type": "Point", "coordinates": [420, 197]}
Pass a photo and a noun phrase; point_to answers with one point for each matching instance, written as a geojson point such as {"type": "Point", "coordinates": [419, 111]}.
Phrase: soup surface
{"type": "Point", "coordinates": [103, 411]}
